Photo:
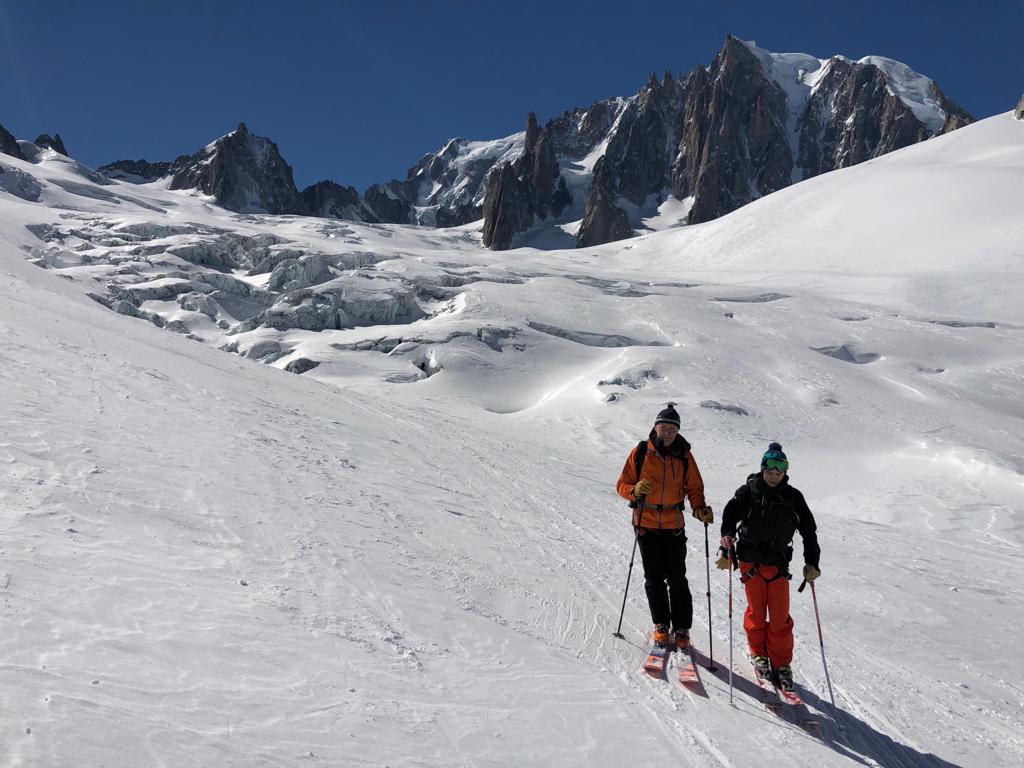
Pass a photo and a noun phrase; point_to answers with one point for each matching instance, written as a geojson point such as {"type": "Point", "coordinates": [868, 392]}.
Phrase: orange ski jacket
{"type": "Point", "coordinates": [673, 481]}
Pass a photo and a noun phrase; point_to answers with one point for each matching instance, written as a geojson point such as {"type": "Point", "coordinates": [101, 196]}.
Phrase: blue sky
{"type": "Point", "coordinates": [358, 93]}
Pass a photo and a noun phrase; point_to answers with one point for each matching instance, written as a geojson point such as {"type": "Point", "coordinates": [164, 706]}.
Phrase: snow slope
{"type": "Point", "coordinates": [798, 75]}
{"type": "Point", "coordinates": [413, 554]}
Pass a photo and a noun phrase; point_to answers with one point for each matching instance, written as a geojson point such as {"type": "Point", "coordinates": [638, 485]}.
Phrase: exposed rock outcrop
{"type": "Point", "coordinates": [243, 173]}
{"type": "Point", "coordinates": [331, 200]}
{"type": "Point", "coordinates": [55, 143]}
{"type": "Point", "coordinates": [387, 205]}
{"type": "Point", "coordinates": [507, 208]}
{"type": "Point", "coordinates": [519, 191]}
{"type": "Point", "coordinates": [139, 171]}
{"type": "Point", "coordinates": [9, 145]}
{"type": "Point", "coordinates": [603, 221]}
{"type": "Point", "coordinates": [1019, 112]}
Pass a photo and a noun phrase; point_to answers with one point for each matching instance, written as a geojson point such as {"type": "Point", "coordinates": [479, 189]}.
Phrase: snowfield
{"type": "Point", "coordinates": [326, 493]}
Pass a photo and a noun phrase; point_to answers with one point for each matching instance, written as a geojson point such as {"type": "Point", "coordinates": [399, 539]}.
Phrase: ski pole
{"type": "Point", "coordinates": [729, 553]}
{"type": "Point", "coordinates": [821, 642]}
{"type": "Point", "coordinates": [636, 538]}
{"type": "Point", "coordinates": [707, 564]}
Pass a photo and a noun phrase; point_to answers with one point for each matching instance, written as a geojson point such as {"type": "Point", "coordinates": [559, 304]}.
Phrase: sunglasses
{"type": "Point", "coordinates": [778, 464]}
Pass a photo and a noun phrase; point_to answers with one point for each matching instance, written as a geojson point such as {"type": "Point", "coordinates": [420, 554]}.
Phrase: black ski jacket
{"type": "Point", "coordinates": [765, 519]}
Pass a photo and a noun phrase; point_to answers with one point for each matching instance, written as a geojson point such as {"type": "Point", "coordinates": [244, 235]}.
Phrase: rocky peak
{"type": "Point", "coordinates": [136, 171]}
{"type": "Point", "coordinates": [1019, 112]}
{"type": "Point", "coordinates": [55, 143]}
{"type": "Point", "coordinates": [518, 191]}
{"type": "Point", "coordinates": [331, 200]}
{"type": "Point", "coordinates": [603, 221]}
{"type": "Point", "coordinates": [507, 207]}
{"type": "Point", "coordinates": [9, 144]}
{"type": "Point", "coordinates": [532, 132]}
{"type": "Point", "coordinates": [244, 173]}
{"type": "Point", "coordinates": [388, 206]}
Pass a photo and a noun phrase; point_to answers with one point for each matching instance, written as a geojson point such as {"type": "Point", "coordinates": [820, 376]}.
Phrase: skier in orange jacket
{"type": "Point", "coordinates": [668, 476]}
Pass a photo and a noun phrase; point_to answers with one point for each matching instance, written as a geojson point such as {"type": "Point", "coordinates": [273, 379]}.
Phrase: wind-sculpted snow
{"type": "Point", "coordinates": [612, 288]}
{"type": "Point", "coordinates": [965, 323]}
{"type": "Point", "coordinates": [345, 302]}
{"type": "Point", "coordinates": [714, 405]}
{"type": "Point", "coordinates": [848, 353]}
{"type": "Point", "coordinates": [495, 338]}
{"type": "Point", "coordinates": [293, 274]}
{"type": "Point", "coordinates": [591, 339]}
{"type": "Point", "coordinates": [635, 378]}
{"type": "Point", "coordinates": [19, 183]}
{"type": "Point", "coordinates": [757, 298]}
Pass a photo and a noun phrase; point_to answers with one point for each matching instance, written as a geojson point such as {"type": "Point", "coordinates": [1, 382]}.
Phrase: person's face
{"type": "Point", "coordinates": [772, 477]}
{"type": "Point", "coordinates": [666, 433]}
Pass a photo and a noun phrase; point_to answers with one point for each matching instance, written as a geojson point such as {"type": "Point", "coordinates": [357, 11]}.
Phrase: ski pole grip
{"type": "Point", "coordinates": [802, 585]}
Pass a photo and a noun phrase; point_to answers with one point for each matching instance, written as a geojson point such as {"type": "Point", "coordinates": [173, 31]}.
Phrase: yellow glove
{"type": "Point", "coordinates": [722, 563]}
{"type": "Point", "coordinates": [811, 573]}
{"type": "Point", "coordinates": [704, 514]}
{"type": "Point", "coordinates": [642, 488]}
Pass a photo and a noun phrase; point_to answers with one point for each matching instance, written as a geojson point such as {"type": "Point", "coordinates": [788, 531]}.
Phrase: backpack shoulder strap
{"type": "Point", "coordinates": [638, 458]}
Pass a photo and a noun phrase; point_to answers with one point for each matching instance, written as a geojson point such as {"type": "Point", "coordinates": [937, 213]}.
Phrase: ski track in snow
{"type": "Point", "coordinates": [205, 560]}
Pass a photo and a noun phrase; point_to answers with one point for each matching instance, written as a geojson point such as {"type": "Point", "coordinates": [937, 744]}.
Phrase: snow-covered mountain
{"type": "Point", "coordinates": [412, 553]}
{"type": "Point", "coordinates": [750, 123]}
{"type": "Point", "coordinates": [747, 125]}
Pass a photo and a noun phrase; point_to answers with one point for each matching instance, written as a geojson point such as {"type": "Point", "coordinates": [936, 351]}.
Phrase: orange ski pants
{"type": "Point", "coordinates": [767, 621]}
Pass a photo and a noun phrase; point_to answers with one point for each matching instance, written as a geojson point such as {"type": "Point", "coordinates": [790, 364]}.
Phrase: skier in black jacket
{"type": "Point", "coordinates": [758, 525]}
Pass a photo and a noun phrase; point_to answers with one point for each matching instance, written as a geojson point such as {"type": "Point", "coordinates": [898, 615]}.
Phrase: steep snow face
{"type": "Point", "coordinates": [798, 74]}
{"type": "Point", "coordinates": [913, 89]}
{"type": "Point", "coordinates": [455, 176]}
{"type": "Point", "coordinates": [412, 553]}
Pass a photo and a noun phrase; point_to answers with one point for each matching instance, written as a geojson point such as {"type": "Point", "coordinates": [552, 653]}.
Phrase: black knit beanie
{"type": "Point", "coordinates": [667, 415]}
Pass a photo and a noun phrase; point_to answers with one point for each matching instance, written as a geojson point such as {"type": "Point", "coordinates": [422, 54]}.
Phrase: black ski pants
{"type": "Point", "coordinates": [668, 593]}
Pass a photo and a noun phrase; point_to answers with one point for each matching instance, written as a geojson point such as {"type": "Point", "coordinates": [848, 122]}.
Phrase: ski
{"type": "Point", "coordinates": [798, 708]}
{"type": "Point", "coordinates": [688, 668]}
{"type": "Point", "coordinates": [791, 697]}
{"type": "Point", "coordinates": [769, 695]}
{"type": "Point", "coordinates": [656, 660]}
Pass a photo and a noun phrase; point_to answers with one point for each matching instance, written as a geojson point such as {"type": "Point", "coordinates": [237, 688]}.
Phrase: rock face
{"type": "Point", "coordinates": [1019, 112]}
{"type": "Point", "coordinates": [747, 125]}
{"type": "Point", "coordinates": [388, 206]}
{"type": "Point", "coordinates": [603, 221]}
{"type": "Point", "coordinates": [734, 147]}
{"type": "Point", "coordinates": [139, 171]}
{"type": "Point", "coordinates": [331, 200]}
{"type": "Point", "coordinates": [244, 173]}
{"type": "Point", "coordinates": [506, 208]}
{"type": "Point", "coordinates": [519, 191]}
{"type": "Point", "coordinates": [54, 143]}
{"type": "Point", "coordinates": [754, 122]}
{"type": "Point", "coordinates": [9, 145]}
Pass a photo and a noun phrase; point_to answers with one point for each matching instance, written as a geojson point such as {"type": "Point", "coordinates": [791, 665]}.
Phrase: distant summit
{"type": "Point", "coordinates": [55, 143]}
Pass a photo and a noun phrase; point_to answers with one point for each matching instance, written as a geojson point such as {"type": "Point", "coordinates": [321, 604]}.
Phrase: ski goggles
{"type": "Point", "coordinates": [780, 465]}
